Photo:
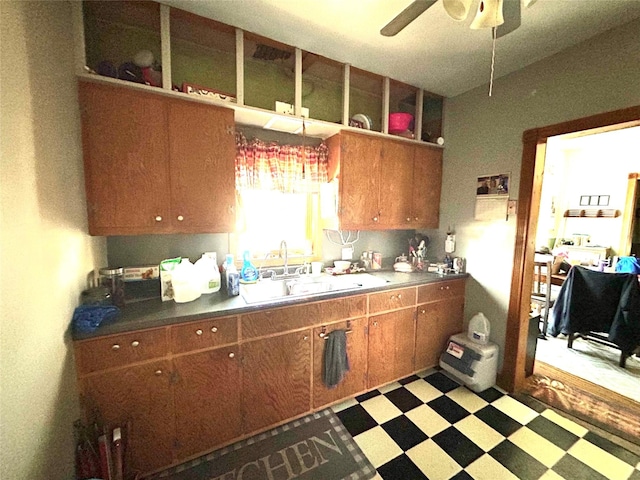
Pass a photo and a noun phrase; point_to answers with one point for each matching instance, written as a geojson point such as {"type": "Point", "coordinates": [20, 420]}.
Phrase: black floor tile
{"type": "Point", "coordinates": [458, 446]}
{"type": "Point", "coordinates": [613, 448]}
{"type": "Point", "coordinates": [356, 420]}
{"type": "Point", "coordinates": [448, 409]}
{"type": "Point", "coordinates": [404, 399]}
{"type": "Point", "coordinates": [519, 462]}
{"type": "Point", "coordinates": [635, 475]}
{"type": "Point", "coordinates": [497, 420]}
{"type": "Point", "coordinates": [404, 432]}
{"type": "Point", "coordinates": [462, 476]}
{"type": "Point", "coordinates": [401, 468]}
{"type": "Point", "coordinates": [490, 394]}
{"type": "Point", "coordinates": [410, 379]}
{"type": "Point", "coordinates": [571, 467]}
{"type": "Point", "coordinates": [553, 432]}
{"type": "Point", "coordinates": [532, 403]}
{"type": "Point", "coordinates": [442, 382]}
{"type": "Point", "coordinates": [368, 395]}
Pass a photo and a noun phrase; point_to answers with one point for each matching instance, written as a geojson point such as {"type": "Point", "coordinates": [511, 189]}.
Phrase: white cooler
{"type": "Point", "coordinates": [473, 364]}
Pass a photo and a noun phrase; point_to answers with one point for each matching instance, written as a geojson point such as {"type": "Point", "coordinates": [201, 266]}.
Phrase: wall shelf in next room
{"type": "Point", "coordinates": [593, 213]}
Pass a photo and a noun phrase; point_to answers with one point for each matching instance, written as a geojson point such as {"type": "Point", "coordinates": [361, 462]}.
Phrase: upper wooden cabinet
{"type": "Point", "coordinates": [155, 164]}
{"type": "Point", "coordinates": [384, 183]}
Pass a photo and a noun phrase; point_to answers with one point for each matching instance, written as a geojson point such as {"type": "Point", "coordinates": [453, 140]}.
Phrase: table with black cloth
{"type": "Point", "coordinates": [597, 302]}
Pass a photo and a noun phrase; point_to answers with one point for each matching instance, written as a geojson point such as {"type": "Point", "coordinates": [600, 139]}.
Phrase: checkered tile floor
{"type": "Point", "coordinates": [430, 427]}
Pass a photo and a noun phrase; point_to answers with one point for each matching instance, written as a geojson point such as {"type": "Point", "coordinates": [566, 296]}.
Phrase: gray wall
{"type": "Point", "coordinates": [484, 136]}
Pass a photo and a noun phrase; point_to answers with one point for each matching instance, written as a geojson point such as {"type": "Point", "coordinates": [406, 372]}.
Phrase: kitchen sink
{"type": "Point", "coordinates": [268, 289]}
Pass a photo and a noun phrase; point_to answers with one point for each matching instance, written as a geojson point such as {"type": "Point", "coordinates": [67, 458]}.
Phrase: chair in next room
{"type": "Point", "coordinates": [541, 292]}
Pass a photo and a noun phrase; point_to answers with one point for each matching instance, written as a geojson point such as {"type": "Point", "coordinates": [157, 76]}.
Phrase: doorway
{"type": "Point", "coordinates": [513, 376]}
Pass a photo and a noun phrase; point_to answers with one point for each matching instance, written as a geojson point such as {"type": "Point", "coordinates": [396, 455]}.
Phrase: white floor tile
{"type": "Point", "coordinates": [433, 461]}
{"type": "Point", "coordinates": [488, 468]}
{"type": "Point", "coordinates": [600, 460]}
{"type": "Point", "coordinates": [479, 432]}
{"type": "Point", "coordinates": [381, 408]}
{"type": "Point", "coordinates": [377, 446]}
{"type": "Point", "coordinates": [565, 423]}
{"type": "Point", "coordinates": [344, 405]}
{"type": "Point", "coordinates": [516, 410]}
{"type": "Point", "coordinates": [427, 420]}
{"type": "Point", "coordinates": [467, 399]}
{"type": "Point", "coordinates": [537, 446]}
{"type": "Point", "coordinates": [423, 390]}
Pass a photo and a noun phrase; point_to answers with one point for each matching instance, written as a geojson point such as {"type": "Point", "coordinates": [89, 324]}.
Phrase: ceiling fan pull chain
{"type": "Point", "coordinates": [493, 58]}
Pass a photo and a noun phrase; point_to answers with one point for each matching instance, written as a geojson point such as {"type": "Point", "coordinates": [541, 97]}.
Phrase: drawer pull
{"type": "Point", "coordinates": [305, 338]}
{"type": "Point", "coordinates": [135, 343]}
{"type": "Point", "coordinates": [375, 324]}
{"type": "Point", "coordinates": [214, 329]}
{"type": "Point", "coordinates": [399, 296]}
{"type": "Point", "coordinates": [423, 311]}
{"type": "Point", "coordinates": [158, 218]}
{"type": "Point", "coordinates": [115, 347]}
{"type": "Point", "coordinates": [180, 218]}
{"type": "Point", "coordinates": [158, 373]}
{"type": "Point", "coordinates": [232, 355]}
{"type": "Point", "coordinates": [198, 332]}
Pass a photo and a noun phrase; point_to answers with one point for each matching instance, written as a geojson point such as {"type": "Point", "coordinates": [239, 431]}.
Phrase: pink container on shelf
{"type": "Point", "coordinates": [400, 122]}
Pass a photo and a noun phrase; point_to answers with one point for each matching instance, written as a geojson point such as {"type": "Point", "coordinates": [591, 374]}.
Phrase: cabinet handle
{"type": "Point", "coordinates": [375, 324]}
{"type": "Point", "coordinates": [214, 329]}
{"type": "Point", "coordinates": [232, 355]}
{"type": "Point", "coordinates": [158, 373]}
{"type": "Point", "coordinates": [416, 219]}
{"type": "Point", "coordinates": [158, 218]}
{"type": "Point", "coordinates": [375, 219]}
{"type": "Point", "coordinates": [408, 219]}
{"type": "Point", "coordinates": [399, 296]}
{"type": "Point", "coordinates": [135, 343]}
{"type": "Point", "coordinates": [423, 311]}
{"type": "Point", "coordinates": [115, 347]}
{"type": "Point", "coordinates": [198, 332]}
{"type": "Point", "coordinates": [305, 338]}
{"type": "Point", "coordinates": [180, 218]}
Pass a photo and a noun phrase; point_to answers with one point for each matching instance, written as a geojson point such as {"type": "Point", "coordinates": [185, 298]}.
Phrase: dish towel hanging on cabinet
{"type": "Point", "coordinates": [335, 360]}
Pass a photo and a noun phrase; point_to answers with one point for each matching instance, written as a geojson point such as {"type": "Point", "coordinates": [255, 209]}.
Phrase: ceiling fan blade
{"type": "Point", "coordinates": [406, 16]}
{"type": "Point", "coordinates": [511, 12]}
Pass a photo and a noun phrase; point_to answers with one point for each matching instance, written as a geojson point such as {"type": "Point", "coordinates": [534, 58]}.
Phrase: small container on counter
{"type": "Point", "coordinates": [113, 279]}
{"type": "Point", "coordinates": [96, 296]}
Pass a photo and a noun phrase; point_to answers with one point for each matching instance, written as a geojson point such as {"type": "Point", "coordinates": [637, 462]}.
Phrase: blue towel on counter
{"type": "Point", "coordinates": [335, 360]}
{"type": "Point", "coordinates": [87, 318]}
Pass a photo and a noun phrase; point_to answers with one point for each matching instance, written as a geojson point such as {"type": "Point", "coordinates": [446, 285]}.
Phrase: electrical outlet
{"type": "Point", "coordinates": [347, 253]}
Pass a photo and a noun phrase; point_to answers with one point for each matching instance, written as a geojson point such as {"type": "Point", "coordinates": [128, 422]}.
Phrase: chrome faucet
{"type": "Point", "coordinates": [283, 246]}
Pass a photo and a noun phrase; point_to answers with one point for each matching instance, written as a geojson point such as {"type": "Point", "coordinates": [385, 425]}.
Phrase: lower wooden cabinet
{"type": "Point", "coordinates": [391, 346]}
{"type": "Point", "coordinates": [207, 396]}
{"type": "Point", "coordinates": [354, 381]}
{"type": "Point", "coordinates": [139, 398]}
{"type": "Point", "coordinates": [435, 323]}
{"type": "Point", "coordinates": [276, 379]}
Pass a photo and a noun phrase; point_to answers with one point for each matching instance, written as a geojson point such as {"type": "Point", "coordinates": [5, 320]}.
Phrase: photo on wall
{"type": "Point", "coordinates": [493, 185]}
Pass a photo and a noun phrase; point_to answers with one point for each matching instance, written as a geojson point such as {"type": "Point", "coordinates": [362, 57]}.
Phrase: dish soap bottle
{"type": "Point", "coordinates": [248, 273]}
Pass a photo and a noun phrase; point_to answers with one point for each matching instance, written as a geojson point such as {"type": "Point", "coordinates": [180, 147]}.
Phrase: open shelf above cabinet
{"type": "Point", "coordinates": [268, 84]}
{"type": "Point", "coordinates": [592, 213]}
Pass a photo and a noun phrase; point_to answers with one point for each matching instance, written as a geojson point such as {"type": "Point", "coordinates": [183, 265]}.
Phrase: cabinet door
{"type": "Point", "coordinates": [126, 156]}
{"type": "Point", "coordinates": [354, 380]}
{"type": "Point", "coordinates": [396, 184]}
{"type": "Point", "coordinates": [427, 184]}
{"type": "Point", "coordinates": [139, 399]}
{"type": "Point", "coordinates": [276, 379]}
{"type": "Point", "coordinates": [360, 159]}
{"type": "Point", "coordinates": [202, 153]}
{"type": "Point", "coordinates": [391, 346]}
{"type": "Point", "coordinates": [436, 322]}
{"type": "Point", "coordinates": [207, 400]}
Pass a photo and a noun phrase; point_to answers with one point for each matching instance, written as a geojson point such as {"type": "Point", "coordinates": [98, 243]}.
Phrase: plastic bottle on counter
{"type": "Point", "coordinates": [232, 277]}
{"type": "Point", "coordinates": [208, 273]}
{"type": "Point", "coordinates": [186, 285]}
{"type": "Point", "coordinates": [113, 279]}
{"type": "Point", "coordinates": [248, 273]}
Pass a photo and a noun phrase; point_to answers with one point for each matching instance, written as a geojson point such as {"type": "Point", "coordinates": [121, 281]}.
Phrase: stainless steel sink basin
{"type": "Point", "coordinates": [267, 289]}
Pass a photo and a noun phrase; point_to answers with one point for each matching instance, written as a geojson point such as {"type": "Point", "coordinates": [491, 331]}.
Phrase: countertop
{"type": "Point", "coordinates": [156, 313]}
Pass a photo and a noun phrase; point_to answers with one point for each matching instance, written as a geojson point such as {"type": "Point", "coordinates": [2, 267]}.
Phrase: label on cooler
{"type": "Point", "coordinates": [455, 350]}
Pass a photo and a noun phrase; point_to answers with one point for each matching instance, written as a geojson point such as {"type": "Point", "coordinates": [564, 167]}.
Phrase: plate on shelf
{"type": "Point", "coordinates": [362, 119]}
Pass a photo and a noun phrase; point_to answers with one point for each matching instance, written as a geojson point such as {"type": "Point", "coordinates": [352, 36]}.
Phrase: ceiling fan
{"type": "Point", "coordinates": [504, 15]}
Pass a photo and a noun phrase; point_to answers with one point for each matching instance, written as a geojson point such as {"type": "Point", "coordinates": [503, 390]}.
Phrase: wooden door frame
{"type": "Point", "coordinates": [513, 376]}
{"type": "Point", "coordinates": [628, 215]}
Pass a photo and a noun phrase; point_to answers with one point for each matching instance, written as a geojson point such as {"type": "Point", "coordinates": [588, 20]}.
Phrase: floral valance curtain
{"type": "Point", "coordinates": [285, 168]}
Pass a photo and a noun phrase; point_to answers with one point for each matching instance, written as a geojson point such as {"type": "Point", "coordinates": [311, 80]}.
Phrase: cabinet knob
{"type": "Point", "coordinates": [135, 343]}
{"type": "Point", "coordinates": [180, 218]}
{"type": "Point", "coordinates": [198, 332]}
{"type": "Point", "coordinates": [399, 296]}
{"type": "Point", "coordinates": [305, 338]}
{"type": "Point", "coordinates": [158, 373]}
{"type": "Point", "coordinates": [423, 311]}
{"type": "Point", "coordinates": [115, 347]}
{"type": "Point", "coordinates": [232, 355]}
{"type": "Point", "coordinates": [375, 324]}
{"type": "Point", "coordinates": [214, 329]}
{"type": "Point", "coordinates": [416, 219]}
{"type": "Point", "coordinates": [158, 218]}
{"type": "Point", "coordinates": [375, 219]}
{"type": "Point", "coordinates": [408, 219]}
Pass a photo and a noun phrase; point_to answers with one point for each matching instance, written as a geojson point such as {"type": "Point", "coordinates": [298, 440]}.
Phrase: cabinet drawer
{"type": "Point", "coordinates": [441, 291]}
{"type": "Point", "coordinates": [392, 300]}
{"type": "Point", "coordinates": [278, 320]}
{"type": "Point", "coordinates": [119, 350]}
{"type": "Point", "coordinates": [204, 334]}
